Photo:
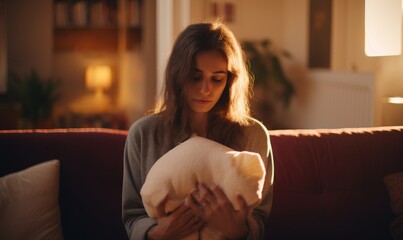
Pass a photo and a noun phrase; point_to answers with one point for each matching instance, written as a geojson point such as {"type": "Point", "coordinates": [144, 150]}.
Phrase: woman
{"type": "Point", "coordinates": [206, 92]}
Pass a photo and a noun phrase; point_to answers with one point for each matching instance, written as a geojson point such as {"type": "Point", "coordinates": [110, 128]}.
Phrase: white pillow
{"type": "Point", "coordinates": [200, 160]}
{"type": "Point", "coordinates": [29, 207]}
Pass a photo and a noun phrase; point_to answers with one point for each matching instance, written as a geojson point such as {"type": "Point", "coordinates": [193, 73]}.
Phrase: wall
{"type": "Point", "coordinates": [29, 36]}
{"type": "Point", "coordinates": [148, 56]}
{"type": "Point", "coordinates": [391, 77]}
{"type": "Point", "coordinates": [285, 22]}
{"type": "Point", "coordinates": [29, 46]}
{"type": "Point", "coordinates": [387, 70]}
{"type": "Point", "coordinates": [134, 86]}
{"type": "Point", "coordinates": [3, 47]}
{"type": "Point", "coordinates": [69, 68]}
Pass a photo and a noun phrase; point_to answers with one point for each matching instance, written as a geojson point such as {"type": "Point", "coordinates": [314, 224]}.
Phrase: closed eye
{"type": "Point", "coordinates": [218, 79]}
{"type": "Point", "coordinates": [196, 77]}
{"type": "Point", "coordinates": [217, 76]}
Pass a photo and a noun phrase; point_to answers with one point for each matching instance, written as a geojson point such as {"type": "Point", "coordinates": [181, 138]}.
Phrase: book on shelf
{"type": "Point", "coordinates": [61, 14]}
{"type": "Point", "coordinates": [85, 13]}
{"type": "Point", "coordinates": [102, 14]}
{"type": "Point", "coordinates": [79, 14]}
{"type": "Point", "coordinates": [133, 13]}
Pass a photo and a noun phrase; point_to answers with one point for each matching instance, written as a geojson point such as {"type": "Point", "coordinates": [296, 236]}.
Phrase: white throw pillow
{"type": "Point", "coordinates": [200, 160]}
{"type": "Point", "coordinates": [29, 206]}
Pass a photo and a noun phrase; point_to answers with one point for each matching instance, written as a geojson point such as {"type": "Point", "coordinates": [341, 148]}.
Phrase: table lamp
{"type": "Point", "coordinates": [383, 27]}
{"type": "Point", "coordinates": [98, 78]}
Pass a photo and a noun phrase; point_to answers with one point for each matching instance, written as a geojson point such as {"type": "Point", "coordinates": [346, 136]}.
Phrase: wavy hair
{"type": "Point", "coordinates": [233, 105]}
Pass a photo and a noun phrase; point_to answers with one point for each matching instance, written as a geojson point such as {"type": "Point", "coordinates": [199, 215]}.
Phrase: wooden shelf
{"type": "Point", "coordinates": [92, 25]}
{"type": "Point", "coordinates": [133, 38]}
{"type": "Point", "coordinates": [85, 39]}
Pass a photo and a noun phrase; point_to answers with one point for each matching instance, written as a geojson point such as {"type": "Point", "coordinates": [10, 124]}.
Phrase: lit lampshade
{"type": "Point", "coordinates": [395, 100]}
{"type": "Point", "coordinates": [383, 27]}
{"type": "Point", "coordinates": [98, 77]}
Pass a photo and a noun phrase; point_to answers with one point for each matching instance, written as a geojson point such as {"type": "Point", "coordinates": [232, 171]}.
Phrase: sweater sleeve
{"type": "Point", "coordinates": [134, 216]}
{"type": "Point", "coordinates": [258, 141]}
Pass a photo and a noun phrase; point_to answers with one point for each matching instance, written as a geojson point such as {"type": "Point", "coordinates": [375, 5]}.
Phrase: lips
{"type": "Point", "coordinates": [202, 101]}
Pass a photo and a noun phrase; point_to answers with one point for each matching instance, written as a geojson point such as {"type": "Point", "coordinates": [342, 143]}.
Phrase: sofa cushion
{"type": "Point", "coordinates": [394, 184]}
{"type": "Point", "coordinates": [29, 207]}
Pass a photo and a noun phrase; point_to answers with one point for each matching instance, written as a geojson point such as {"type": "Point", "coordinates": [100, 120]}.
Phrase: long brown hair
{"type": "Point", "coordinates": [233, 106]}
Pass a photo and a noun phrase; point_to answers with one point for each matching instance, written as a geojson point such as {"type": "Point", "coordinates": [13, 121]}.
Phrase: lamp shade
{"type": "Point", "coordinates": [98, 77]}
{"type": "Point", "coordinates": [383, 27]}
{"type": "Point", "coordinates": [395, 100]}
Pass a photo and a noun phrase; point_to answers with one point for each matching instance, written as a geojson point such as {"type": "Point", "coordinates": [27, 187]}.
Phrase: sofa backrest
{"type": "Point", "coordinates": [91, 168]}
{"type": "Point", "coordinates": [328, 184]}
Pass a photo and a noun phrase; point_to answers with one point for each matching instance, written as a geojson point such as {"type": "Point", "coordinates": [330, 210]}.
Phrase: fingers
{"type": "Point", "coordinates": [193, 225]}
{"type": "Point", "coordinates": [187, 216]}
{"type": "Point", "coordinates": [205, 198]}
{"type": "Point", "coordinates": [192, 221]}
{"type": "Point", "coordinates": [194, 204]}
{"type": "Point", "coordinates": [218, 192]}
{"type": "Point", "coordinates": [181, 211]}
{"type": "Point", "coordinates": [221, 198]}
{"type": "Point", "coordinates": [206, 195]}
{"type": "Point", "coordinates": [178, 223]}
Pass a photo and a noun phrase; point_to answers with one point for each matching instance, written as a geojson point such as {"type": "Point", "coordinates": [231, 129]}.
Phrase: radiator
{"type": "Point", "coordinates": [339, 100]}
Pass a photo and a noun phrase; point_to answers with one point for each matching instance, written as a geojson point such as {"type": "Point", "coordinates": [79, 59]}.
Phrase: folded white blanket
{"type": "Point", "coordinates": [200, 160]}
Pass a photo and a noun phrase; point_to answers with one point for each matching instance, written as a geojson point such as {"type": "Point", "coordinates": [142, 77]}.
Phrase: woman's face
{"type": "Point", "coordinates": [208, 81]}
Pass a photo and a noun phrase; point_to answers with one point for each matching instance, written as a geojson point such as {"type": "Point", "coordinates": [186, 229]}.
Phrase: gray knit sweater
{"type": "Point", "coordinates": [146, 143]}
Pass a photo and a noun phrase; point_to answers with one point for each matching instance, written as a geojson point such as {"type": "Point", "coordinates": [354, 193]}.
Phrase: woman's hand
{"type": "Point", "coordinates": [213, 206]}
{"type": "Point", "coordinates": [177, 224]}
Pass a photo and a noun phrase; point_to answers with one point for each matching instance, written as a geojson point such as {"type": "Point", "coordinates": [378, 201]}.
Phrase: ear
{"type": "Point", "coordinates": [152, 197]}
{"type": "Point", "coordinates": [158, 197]}
{"type": "Point", "coordinates": [249, 164]}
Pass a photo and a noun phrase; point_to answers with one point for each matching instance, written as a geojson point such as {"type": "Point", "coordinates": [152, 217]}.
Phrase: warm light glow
{"type": "Point", "coordinates": [383, 27]}
{"type": "Point", "coordinates": [98, 77]}
{"type": "Point", "coordinates": [395, 100]}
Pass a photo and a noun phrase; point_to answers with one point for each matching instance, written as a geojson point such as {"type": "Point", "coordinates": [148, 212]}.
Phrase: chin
{"type": "Point", "coordinates": [202, 109]}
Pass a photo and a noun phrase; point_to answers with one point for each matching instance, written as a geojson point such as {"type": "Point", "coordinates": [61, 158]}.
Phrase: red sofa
{"type": "Point", "coordinates": [328, 183]}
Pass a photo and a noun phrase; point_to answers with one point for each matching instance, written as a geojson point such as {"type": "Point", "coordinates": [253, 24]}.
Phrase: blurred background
{"type": "Point", "coordinates": [100, 63]}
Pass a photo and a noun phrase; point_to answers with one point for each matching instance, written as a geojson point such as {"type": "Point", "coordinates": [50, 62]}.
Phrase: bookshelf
{"type": "Point", "coordinates": [96, 25]}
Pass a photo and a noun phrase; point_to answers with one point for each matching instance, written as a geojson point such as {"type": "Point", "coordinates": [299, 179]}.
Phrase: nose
{"type": "Point", "coordinates": [205, 86]}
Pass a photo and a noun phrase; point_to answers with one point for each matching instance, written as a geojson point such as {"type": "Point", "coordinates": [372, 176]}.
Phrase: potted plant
{"type": "Point", "coordinates": [36, 98]}
{"type": "Point", "coordinates": [272, 89]}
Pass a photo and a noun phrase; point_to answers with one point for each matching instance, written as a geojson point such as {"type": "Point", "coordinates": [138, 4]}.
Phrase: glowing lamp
{"type": "Point", "coordinates": [383, 27]}
{"type": "Point", "coordinates": [98, 78]}
{"type": "Point", "coordinates": [395, 100]}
